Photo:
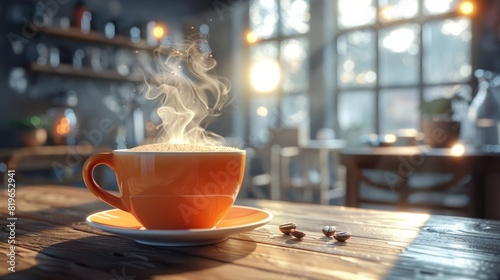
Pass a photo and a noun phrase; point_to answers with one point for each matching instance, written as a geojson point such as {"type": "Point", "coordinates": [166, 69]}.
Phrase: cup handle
{"type": "Point", "coordinates": [88, 178]}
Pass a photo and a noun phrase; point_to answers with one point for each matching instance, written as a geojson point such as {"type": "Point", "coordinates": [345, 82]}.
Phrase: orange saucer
{"type": "Point", "coordinates": [238, 219]}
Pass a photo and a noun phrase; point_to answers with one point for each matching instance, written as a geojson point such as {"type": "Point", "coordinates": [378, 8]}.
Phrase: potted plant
{"type": "Point", "coordinates": [437, 123]}
{"type": "Point", "coordinates": [30, 131]}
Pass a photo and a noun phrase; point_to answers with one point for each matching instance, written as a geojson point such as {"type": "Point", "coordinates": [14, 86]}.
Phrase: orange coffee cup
{"type": "Point", "coordinates": [171, 189]}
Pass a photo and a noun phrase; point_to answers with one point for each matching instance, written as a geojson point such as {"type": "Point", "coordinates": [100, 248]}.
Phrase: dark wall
{"type": "Point", "coordinates": [92, 108]}
{"type": "Point", "coordinates": [488, 47]}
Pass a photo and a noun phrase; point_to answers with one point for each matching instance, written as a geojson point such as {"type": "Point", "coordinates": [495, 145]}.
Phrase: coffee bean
{"type": "Point", "coordinates": [328, 230]}
{"type": "Point", "coordinates": [342, 236]}
{"type": "Point", "coordinates": [287, 228]}
{"type": "Point", "coordinates": [298, 234]}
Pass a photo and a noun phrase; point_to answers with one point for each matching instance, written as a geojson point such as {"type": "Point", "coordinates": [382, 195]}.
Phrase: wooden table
{"type": "Point", "coordinates": [54, 242]}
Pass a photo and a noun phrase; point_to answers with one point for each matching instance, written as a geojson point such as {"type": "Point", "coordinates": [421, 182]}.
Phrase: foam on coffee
{"type": "Point", "coordinates": [165, 147]}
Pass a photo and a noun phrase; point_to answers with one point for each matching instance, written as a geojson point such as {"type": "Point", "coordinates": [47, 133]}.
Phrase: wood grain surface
{"type": "Point", "coordinates": [54, 242]}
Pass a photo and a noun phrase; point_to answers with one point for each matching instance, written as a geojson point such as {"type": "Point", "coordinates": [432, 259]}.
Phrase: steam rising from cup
{"type": "Point", "coordinates": [191, 94]}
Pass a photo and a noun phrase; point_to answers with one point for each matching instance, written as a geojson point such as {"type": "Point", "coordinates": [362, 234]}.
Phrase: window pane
{"type": "Point", "coordinates": [356, 114]}
{"type": "Point", "coordinates": [353, 13]}
{"type": "Point", "coordinates": [294, 65]}
{"type": "Point", "coordinates": [398, 109]}
{"type": "Point", "coordinates": [262, 73]}
{"type": "Point", "coordinates": [399, 60]}
{"type": "Point", "coordinates": [447, 50]}
{"type": "Point", "coordinates": [295, 110]}
{"type": "Point", "coordinates": [294, 16]}
{"type": "Point", "coordinates": [264, 18]}
{"type": "Point", "coordinates": [262, 116]}
{"type": "Point", "coordinates": [433, 7]}
{"type": "Point", "coordinates": [397, 9]}
{"type": "Point", "coordinates": [356, 59]}
{"type": "Point", "coordinates": [264, 51]}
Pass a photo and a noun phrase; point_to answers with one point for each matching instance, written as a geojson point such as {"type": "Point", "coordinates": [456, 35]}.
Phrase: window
{"type": "Point", "coordinates": [388, 56]}
{"type": "Point", "coordinates": [279, 63]}
{"type": "Point", "coordinates": [392, 56]}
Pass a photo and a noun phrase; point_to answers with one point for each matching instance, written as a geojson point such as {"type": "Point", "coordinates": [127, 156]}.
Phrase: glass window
{"type": "Point", "coordinates": [294, 62]}
{"type": "Point", "coordinates": [295, 111]}
{"type": "Point", "coordinates": [399, 55]}
{"type": "Point", "coordinates": [398, 109]}
{"type": "Point", "coordinates": [391, 10]}
{"type": "Point", "coordinates": [279, 67]}
{"type": "Point", "coordinates": [356, 59]}
{"type": "Point", "coordinates": [352, 13]}
{"type": "Point", "coordinates": [447, 55]}
{"type": "Point", "coordinates": [295, 17]}
{"type": "Point", "coordinates": [263, 115]}
{"type": "Point", "coordinates": [434, 7]}
{"type": "Point", "coordinates": [264, 18]}
{"type": "Point", "coordinates": [356, 114]}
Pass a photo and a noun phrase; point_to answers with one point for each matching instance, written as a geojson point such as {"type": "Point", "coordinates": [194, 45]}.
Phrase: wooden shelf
{"type": "Point", "coordinates": [68, 70]}
{"type": "Point", "coordinates": [95, 37]}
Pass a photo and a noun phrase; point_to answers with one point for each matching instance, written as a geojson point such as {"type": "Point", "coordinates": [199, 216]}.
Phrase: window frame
{"type": "Point", "coordinates": [420, 19]}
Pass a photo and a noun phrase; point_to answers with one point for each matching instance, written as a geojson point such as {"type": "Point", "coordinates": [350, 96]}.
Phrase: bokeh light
{"type": "Point", "coordinates": [251, 37]}
{"type": "Point", "coordinates": [159, 31]}
{"type": "Point", "coordinates": [265, 75]}
{"type": "Point", "coordinates": [466, 8]}
{"type": "Point", "coordinates": [458, 150]}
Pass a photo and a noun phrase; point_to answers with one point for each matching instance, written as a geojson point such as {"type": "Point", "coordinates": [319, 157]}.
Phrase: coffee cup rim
{"type": "Point", "coordinates": [129, 152]}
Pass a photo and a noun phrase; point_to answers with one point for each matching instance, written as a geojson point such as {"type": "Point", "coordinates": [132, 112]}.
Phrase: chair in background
{"type": "Point", "coordinates": [262, 178]}
{"type": "Point", "coordinates": [294, 169]}
{"type": "Point", "coordinates": [310, 174]}
{"type": "Point", "coordinates": [258, 180]}
{"type": "Point", "coordinates": [411, 181]}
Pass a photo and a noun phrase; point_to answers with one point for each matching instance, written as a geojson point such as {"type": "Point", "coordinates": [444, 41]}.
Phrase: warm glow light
{"type": "Point", "coordinates": [251, 37]}
{"type": "Point", "coordinates": [150, 126]}
{"type": "Point", "coordinates": [63, 127]}
{"type": "Point", "coordinates": [466, 8]}
{"type": "Point", "coordinates": [262, 111]}
{"type": "Point", "coordinates": [390, 138]}
{"type": "Point", "coordinates": [158, 31]}
{"type": "Point", "coordinates": [457, 150]}
{"type": "Point", "coordinates": [347, 77]}
{"type": "Point", "coordinates": [265, 75]}
{"type": "Point", "coordinates": [373, 137]}
{"type": "Point", "coordinates": [386, 14]}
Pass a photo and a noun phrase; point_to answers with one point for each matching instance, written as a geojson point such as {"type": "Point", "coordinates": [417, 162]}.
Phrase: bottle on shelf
{"type": "Point", "coordinates": [82, 17]}
{"type": "Point", "coordinates": [484, 112]}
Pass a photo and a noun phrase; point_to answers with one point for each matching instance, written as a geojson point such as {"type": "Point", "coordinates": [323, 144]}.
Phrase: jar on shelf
{"type": "Point", "coordinates": [82, 17]}
{"type": "Point", "coordinates": [484, 111]}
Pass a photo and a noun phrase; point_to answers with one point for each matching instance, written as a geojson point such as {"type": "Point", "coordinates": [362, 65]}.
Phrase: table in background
{"type": "Point", "coordinates": [403, 162]}
{"type": "Point", "coordinates": [54, 242]}
{"type": "Point", "coordinates": [64, 161]}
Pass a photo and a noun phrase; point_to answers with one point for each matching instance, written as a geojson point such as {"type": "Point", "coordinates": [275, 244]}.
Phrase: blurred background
{"type": "Point", "coordinates": [355, 67]}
